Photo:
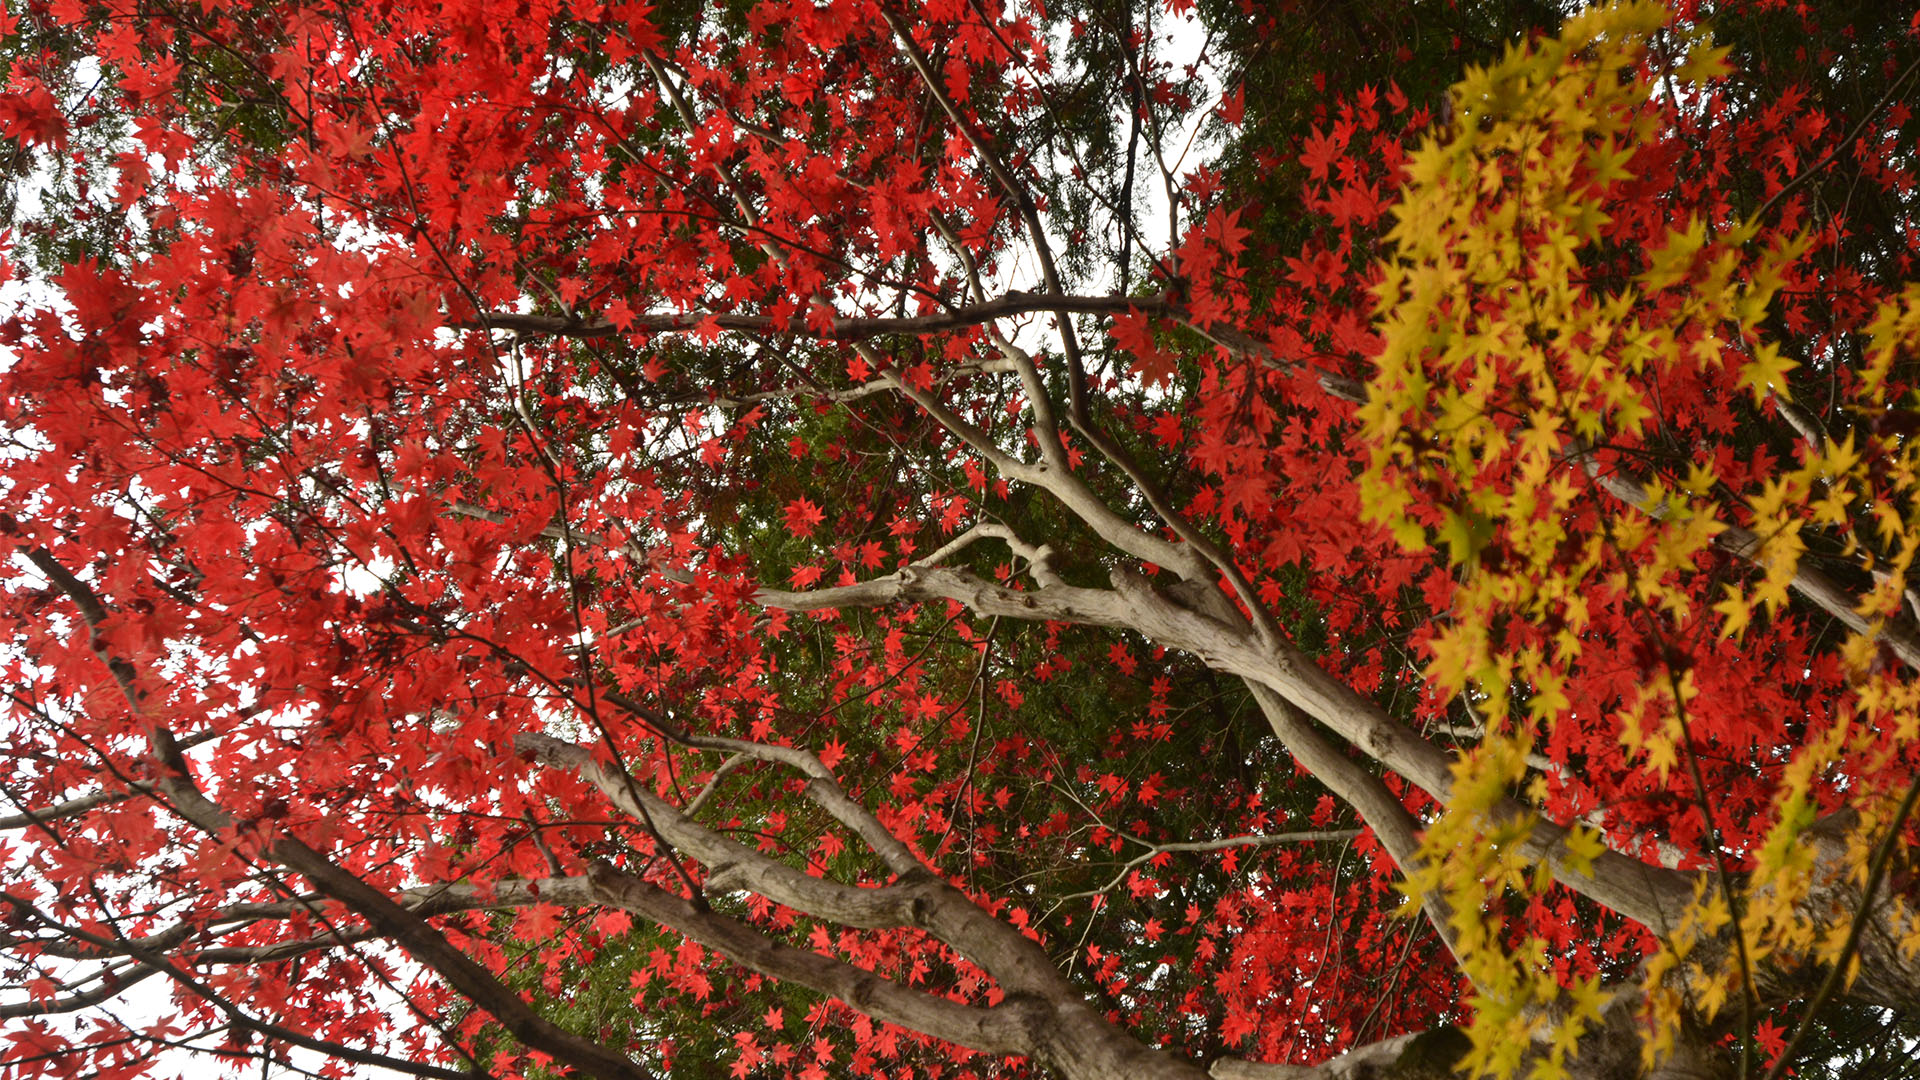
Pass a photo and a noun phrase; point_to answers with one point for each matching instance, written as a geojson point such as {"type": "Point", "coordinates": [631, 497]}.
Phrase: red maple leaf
{"type": "Point", "coordinates": [802, 517]}
{"type": "Point", "coordinates": [1320, 151]}
{"type": "Point", "coordinates": [1134, 333]}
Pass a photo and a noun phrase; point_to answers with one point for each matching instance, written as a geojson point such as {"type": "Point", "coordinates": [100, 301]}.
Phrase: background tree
{"type": "Point", "coordinates": [609, 540]}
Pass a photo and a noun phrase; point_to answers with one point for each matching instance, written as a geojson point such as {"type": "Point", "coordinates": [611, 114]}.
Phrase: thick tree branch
{"type": "Point", "coordinates": [1424, 1055]}
{"type": "Point", "coordinates": [1006, 1029]}
{"type": "Point", "coordinates": [1826, 594]}
{"type": "Point", "coordinates": [917, 899]}
{"type": "Point", "coordinates": [70, 808]}
{"type": "Point", "coordinates": [1649, 895]}
{"type": "Point", "coordinates": [1398, 831]}
{"type": "Point", "coordinates": [1058, 1026]}
{"type": "Point", "coordinates": [404, 928]}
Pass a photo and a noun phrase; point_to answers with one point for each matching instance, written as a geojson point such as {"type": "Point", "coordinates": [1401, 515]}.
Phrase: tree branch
{"type": "Point", "coordinates": [1649, 895]}
{"type": "Point", "coordinates": [1225, 843]}
{"type": "Point", "coordinates": [833, 327]}
{"type": "Point", "coordinates": [1058, 1025]}
{"type": "Point", "coordinates": [405, 928]}
{"type": "Point", "coordinates": [1423, 1055]}
{"type": "Point", "coordinates": [1826, 594]}
{"type": "Point", "coordinates": [1004, 1029]}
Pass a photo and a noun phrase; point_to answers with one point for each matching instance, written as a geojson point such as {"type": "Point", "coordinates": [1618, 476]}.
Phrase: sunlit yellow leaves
{"type": "Point", "coordinates": [1663, 1012]}
{"type": "Point", "coordinates": [1700, 479]}
{"type": "Point", "coordinates": [1499, 362]}
{"type": "Point", "coordinates": [1583, 845]}
{"type": "Point", "coordinates": [1735, 611]}
{"type": "Point", "coordinates": [1767, 372]}
{"type": "Point", "coordinates": [1705, 61]}
{"type": "Point", "coordinates": [1709, 989]}
{"type": "Point", "coordinates": [1895, 330]}
{"type": "Point", "coordinates": [1648, 728]}
{"type": "Point", "coordinates": [1860, 653]}
{"type": "Point", "coordinates": [1840, 458]}
{"type": "Point", "coordinates": [1672, 263]}
{"type": "Point", "coordinates": [1766, 276]}
{"type": "Point", "coordinates": [1509, 421]}
{"type": "Point", "coordinates": [1782, 855]}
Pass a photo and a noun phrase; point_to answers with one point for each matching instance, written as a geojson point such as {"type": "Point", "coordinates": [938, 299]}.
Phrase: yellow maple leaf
{"type": "Point", "coordinates": [1735, 610]}
{"type": "Point", "coordinates": [1767, 371]}
{"type": "Point", "coordinates": [1583, 845]}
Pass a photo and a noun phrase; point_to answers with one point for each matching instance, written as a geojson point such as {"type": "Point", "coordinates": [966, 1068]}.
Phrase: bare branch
{"type": "Point", "coordinates": [1649, 895]}
{"type": "Point", "coordinates": [1252, 840]}
{"type": "Point", "coordinates": [1389, 1059]}
{"type": "Point", "coordinates": [827, 324]}
{"type": "Point", "coordinates": [1828, 595]}
{"type": "Point", "coordinates": [918, 899]}
{"type": "Point", "coordinates": [73, 807]}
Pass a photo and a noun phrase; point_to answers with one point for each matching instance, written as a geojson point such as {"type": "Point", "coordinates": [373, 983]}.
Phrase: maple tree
{"type": "Point", "coordinates": [586, 539]}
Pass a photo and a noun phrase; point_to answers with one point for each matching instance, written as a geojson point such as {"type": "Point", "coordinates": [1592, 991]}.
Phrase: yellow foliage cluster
{"type": "Point", "coordinates": [1503, 368]}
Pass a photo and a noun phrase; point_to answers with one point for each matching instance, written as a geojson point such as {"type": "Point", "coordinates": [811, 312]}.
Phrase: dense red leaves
{"type": "Point", "coordinates": [30, 115]}
{"type": "Point", "coordinates": [260, 447]}
{"type": "Point", "coordinates": [802, 516]}
{"type": "Point", "coordinates": [350, 540]}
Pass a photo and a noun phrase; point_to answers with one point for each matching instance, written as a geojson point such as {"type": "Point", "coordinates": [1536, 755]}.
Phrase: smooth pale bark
{"type": "Point", "coordinates": [1898, 635]}
{"type": "Point", "coordinates": [1044, 1017]}
{"type": "Point", "coordinates": [1188, 615]}
{"type": "Point", "coordinates": [1651, 895]}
